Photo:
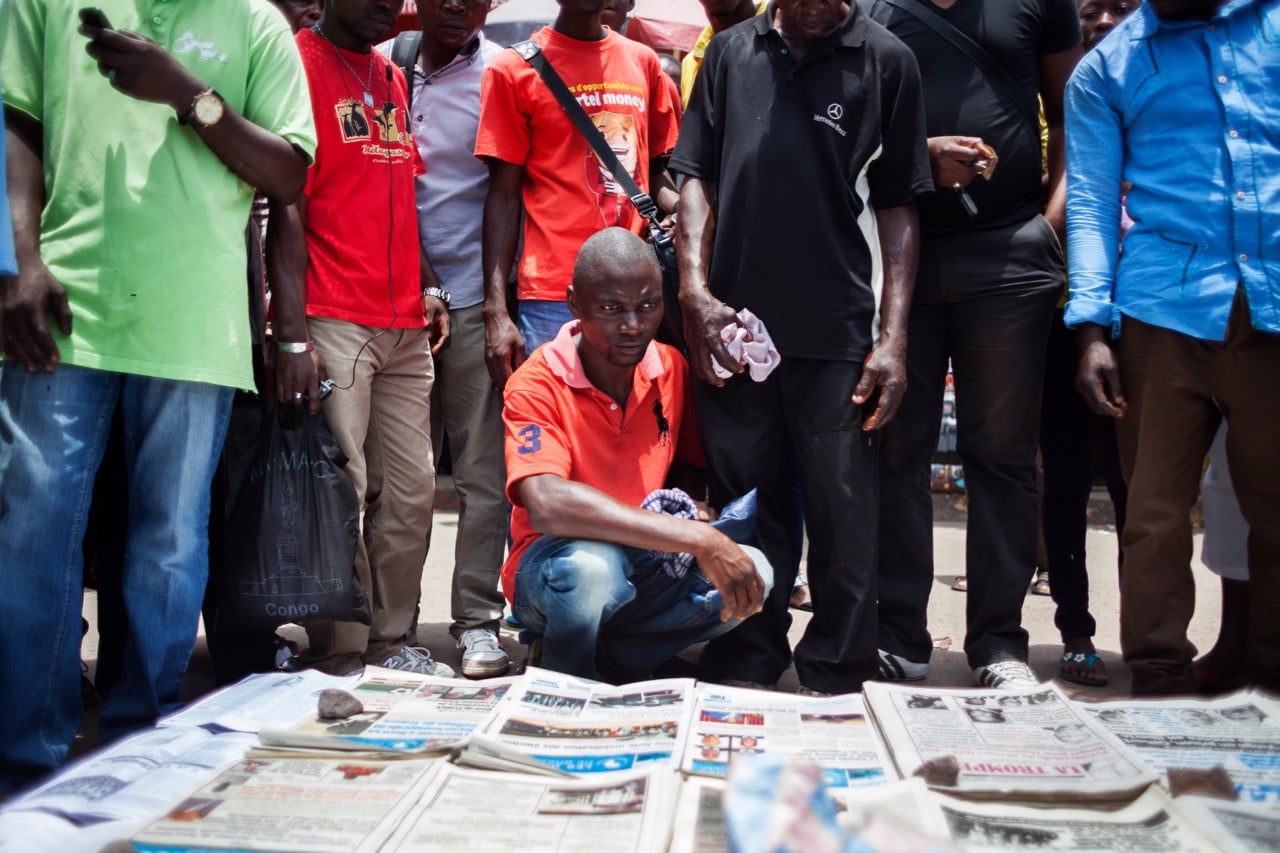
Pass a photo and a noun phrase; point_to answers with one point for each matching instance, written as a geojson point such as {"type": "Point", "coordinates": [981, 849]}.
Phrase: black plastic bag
{"type": "Point", "coordinates": [291, 535]}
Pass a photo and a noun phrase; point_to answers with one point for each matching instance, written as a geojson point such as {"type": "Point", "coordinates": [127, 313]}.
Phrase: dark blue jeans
{"type": "Point", "coordinates": [53, 429]}
{"type": "Point", "coordinates": [603, 609]}
{"type": "Point", "coordinates": [984, 300]}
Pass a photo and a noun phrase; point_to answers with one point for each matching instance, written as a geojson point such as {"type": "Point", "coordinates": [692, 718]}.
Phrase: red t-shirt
{"type": "Point", "coordinates": [567, 194]}
{"type": "Point", "coordinates": [557, 422]}
{"type": "Point", "coordinates": [361, 212]}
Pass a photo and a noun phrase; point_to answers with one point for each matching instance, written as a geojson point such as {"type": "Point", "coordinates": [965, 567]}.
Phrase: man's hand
{"type": "Point", "coordinates": [957, 160]}
{"type": "Point", "coordinates": [885, 369]}
{"type": "Point", "coordinates": [503, 347]}
{"type": "Point", "coordinates": [142, 69]}
{"type": "Point", "coordinates": [437, 323]}
{"type": "Point", "coordinates": [25, 300]}
{"type": "Point", "coordinates": [298, 378]}
{"type": "Point", "coordinates": [704, 317]}
{"type": "Point", "coordinates": [1098, 378]}
{"type": "Point", "coordinates": [733, 573]}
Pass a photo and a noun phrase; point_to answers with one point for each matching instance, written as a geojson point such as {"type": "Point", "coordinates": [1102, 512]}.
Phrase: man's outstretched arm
{"type": "Point", "coordinates": [569, 510]}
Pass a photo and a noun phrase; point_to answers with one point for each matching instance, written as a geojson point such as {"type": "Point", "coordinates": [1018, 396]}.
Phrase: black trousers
{"type": "Point", "coordinates": [1069, 434]}
{"type": "Point", "coordinates": [802, 415]}
{"type": "Point", "coordinates": [984, 300]}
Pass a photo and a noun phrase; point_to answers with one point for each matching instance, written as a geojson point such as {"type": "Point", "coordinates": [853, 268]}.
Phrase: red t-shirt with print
{"type": "Point", "coordinates": [361, 216]}
{"type": "Point", "coordinates": [567, 194]}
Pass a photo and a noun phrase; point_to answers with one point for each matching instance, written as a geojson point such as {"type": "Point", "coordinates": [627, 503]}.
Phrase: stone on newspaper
{"type": "Point", "coordinates": [337, 705]}
{"type": "Point", "coordinates": [940, 772]}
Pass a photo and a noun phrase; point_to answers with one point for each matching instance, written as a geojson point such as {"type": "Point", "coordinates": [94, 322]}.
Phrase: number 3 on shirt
{"type": "Point", "coordinates": [530, 439]}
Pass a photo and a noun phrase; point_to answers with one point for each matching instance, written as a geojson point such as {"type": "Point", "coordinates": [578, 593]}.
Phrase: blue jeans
{"type": "Point", "coordinates": [605, 608]}
{"type": "Point", "coordinates": [53, 429]}
{"type": "Point", "coordinates": [539, 321]}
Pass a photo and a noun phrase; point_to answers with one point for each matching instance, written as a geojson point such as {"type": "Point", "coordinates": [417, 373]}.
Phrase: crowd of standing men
{"type": "Point", "coordinates": [888, 185]}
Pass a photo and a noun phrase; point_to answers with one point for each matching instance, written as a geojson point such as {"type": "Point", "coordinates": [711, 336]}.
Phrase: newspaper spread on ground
{"type": "Point", "coordinates": [1028, 744]}
{"type": "Point", "coordinates": [831, 731]}
{"type": "Point", "coordinates": [1150, 823]}
{"type": "Point", "coordinates": [1237, 827]}
{"type": "Point", "coordinates": [271, 700]}
{"type": "Point", "coordinates": [584, 726]}
{"type": "Point", "coordinates": [480, 811]}
{"type": "Point", "coordinates": [404, 713]}
{"type": "Point", "coordinates": [321, 806]}
{"type": "Point", "coordinates": [135, 778]}
{"type": "Point", "coordinates": [1241, 732]}
{"type": "Point", "coordinates": [699, 822]}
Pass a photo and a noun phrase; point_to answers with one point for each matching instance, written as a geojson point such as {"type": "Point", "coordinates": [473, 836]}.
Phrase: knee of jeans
{"type": "Point", "coordinates": [762, 566]}
{"type": "Point", "coordinates": [593, 572]}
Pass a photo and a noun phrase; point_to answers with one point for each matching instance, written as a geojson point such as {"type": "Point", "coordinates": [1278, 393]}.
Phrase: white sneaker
{"type": "Point", "coordinates": [1006, 675]}
{"type": "Point", "coordinates": [897, 668]}
{"type": "Point", "coordinates": [418, 660]}
{"type": "Point", "coordinates": [482, 654]}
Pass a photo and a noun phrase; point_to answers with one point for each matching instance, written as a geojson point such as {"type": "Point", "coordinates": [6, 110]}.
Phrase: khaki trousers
{"type": "Point", "coordinates": [466, 407]}
{"type": "Point", "coordinates": [1175, 386]}
{"type": "Point", "coordinates": [380, 414]}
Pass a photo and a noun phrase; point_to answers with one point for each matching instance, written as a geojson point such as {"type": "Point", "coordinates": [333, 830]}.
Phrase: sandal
{"type": "Point", "coordinates": [800, 599]}
{"type": "Point", "coordinates": [961, 583]}
{"type": "Point", "coordinates": [1092, 677]}
{"type": "Point", "coordinates": [1040, 586]}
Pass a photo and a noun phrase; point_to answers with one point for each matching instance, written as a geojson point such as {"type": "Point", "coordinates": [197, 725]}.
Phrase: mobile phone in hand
{"type": "Point", "coordinates": [94, 18]}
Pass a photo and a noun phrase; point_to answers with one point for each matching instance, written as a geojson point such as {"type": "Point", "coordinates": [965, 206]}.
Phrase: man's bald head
{"type": "Point", "coordinates": [610, 254]}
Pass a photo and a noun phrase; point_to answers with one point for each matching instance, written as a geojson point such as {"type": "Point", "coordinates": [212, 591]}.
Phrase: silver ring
{"type": "Point", "coordinates": [111, 74]}
{"type": "Point", "coordinates": [297, 395]}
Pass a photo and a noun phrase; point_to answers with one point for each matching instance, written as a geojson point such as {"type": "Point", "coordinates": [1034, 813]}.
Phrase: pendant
{"type": "Point", "coordinates": [368, 98]}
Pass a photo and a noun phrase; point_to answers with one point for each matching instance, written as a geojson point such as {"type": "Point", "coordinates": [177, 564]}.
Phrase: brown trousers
{"type": "Point", "coordinates": [1176, 386]}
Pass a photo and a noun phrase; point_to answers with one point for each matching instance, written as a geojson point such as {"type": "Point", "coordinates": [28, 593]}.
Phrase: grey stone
{"type": "Point", "coordinates": [337, 705]}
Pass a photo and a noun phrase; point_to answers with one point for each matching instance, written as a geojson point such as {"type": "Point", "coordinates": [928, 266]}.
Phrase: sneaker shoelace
{"type": "Point", "coordinates": [479, 640]}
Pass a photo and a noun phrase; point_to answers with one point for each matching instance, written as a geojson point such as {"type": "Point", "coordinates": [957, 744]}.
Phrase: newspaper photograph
{"type": "Point", "coordinates": [1150, 823]}
{"type": "Point", "coordinates": [403, 713]}
{"type": "Point", "coordinates": [1240, 732]}
{"type": "Point", "coordinates": [1237, 827]}
{"type": "Point", "coordinates": [626, 812]}
{"type": "Point", "coordinates": [321, 806]}
{"type": "Point", "coordinates": [831, 731]}
{"type": "Point", "coordinates": [581, 726]}
{"type": "Point", "coordinates": [137, 777]}
{"type": "Point", "coordinates": [1033, 743]}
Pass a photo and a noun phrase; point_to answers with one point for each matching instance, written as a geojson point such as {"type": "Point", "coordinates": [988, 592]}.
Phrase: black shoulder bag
{"type": "Point", "coordinates": [659, 238]}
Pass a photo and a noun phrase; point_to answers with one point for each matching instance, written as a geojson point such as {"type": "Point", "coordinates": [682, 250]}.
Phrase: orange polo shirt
{"type": "Point", "coordinates": [557, 422]}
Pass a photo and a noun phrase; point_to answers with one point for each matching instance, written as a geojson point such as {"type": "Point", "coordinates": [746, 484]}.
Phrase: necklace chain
{"type": "Point", "coordinates": [368, 80]}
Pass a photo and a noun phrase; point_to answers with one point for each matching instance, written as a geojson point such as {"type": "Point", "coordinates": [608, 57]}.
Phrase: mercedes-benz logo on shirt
{"type": "Point", "coordinates": [835, 112]}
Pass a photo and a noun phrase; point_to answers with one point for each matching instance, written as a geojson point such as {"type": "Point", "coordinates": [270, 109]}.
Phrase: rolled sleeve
{"type": "Point", "coordinates": [1094, 173]}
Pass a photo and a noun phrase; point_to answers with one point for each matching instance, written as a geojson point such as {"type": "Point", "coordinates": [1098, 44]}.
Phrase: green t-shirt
{"type": "Point", "coordinates": [143, 225]}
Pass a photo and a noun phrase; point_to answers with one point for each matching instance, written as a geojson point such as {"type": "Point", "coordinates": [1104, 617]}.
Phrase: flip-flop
{"type": "Point", "coordinates": [961, 583]}
{"type": "Point", "coordinates": [1090, 661]}
{"type": "Point", "coordinates": [806, 606]}
{"type": "Point", "coordinates": [1040, 586]}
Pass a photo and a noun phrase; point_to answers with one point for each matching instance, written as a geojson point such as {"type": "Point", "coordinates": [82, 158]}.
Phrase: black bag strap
{"type": "Point", "coordinates": [531, 53]}
{"type": "Point", "coordinates": [404, 52]}
{"type": "Point", "coordinates": [930, 17]}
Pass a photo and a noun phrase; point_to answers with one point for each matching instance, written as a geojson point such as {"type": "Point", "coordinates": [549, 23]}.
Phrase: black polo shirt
{"type": "Point", "coordinates": [801, 153]}
{"type": "Point", "coordinates": [960, 100]}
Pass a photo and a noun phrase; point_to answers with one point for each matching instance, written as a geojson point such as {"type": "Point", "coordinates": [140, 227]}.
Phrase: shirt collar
{"type": "Point", "coordinates": [562, 357]}
{"type": "Point", "coordinates": [465, 56]}
{"type": "Point", "coordinates": [852, 32]}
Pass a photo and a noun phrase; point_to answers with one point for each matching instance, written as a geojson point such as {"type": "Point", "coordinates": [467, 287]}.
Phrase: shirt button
{"type": "Point", "coordinates": [1244, 258]}
{"type": "Point", "coordinates": [157, 20]}
{"type": "Point", "coordinates": [1234, 134]}
{"type": "Point", "coordinates": [613, 407]}
{"type": "Point", "coordinates": [1222, 78]}
{"type": "Point", "coordinates": [1240, 195]}
{"type": "Point", "coordinates": [784, 51]}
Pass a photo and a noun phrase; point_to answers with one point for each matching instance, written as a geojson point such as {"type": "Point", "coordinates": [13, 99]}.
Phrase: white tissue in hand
{"type": "Point", "coordinates": [758, 354]}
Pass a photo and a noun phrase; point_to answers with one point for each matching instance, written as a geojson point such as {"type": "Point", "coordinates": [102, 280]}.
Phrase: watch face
{"type": "Point", "coordinates": [208, 109]}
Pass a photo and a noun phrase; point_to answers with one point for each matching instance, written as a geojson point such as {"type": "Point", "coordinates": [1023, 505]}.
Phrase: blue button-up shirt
{"type": "Point", "coordinates": [1189, 114]}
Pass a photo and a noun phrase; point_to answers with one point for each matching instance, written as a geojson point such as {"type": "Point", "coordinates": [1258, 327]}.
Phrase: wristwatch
{"type": "Point", "coordinates": [443, 295]}
{"type": "Point", "coordinates": [205, 111]}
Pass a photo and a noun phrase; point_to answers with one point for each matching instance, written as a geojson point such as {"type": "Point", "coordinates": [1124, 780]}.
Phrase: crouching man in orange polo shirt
{"type": "Point", "coordinates": [596, 420]}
